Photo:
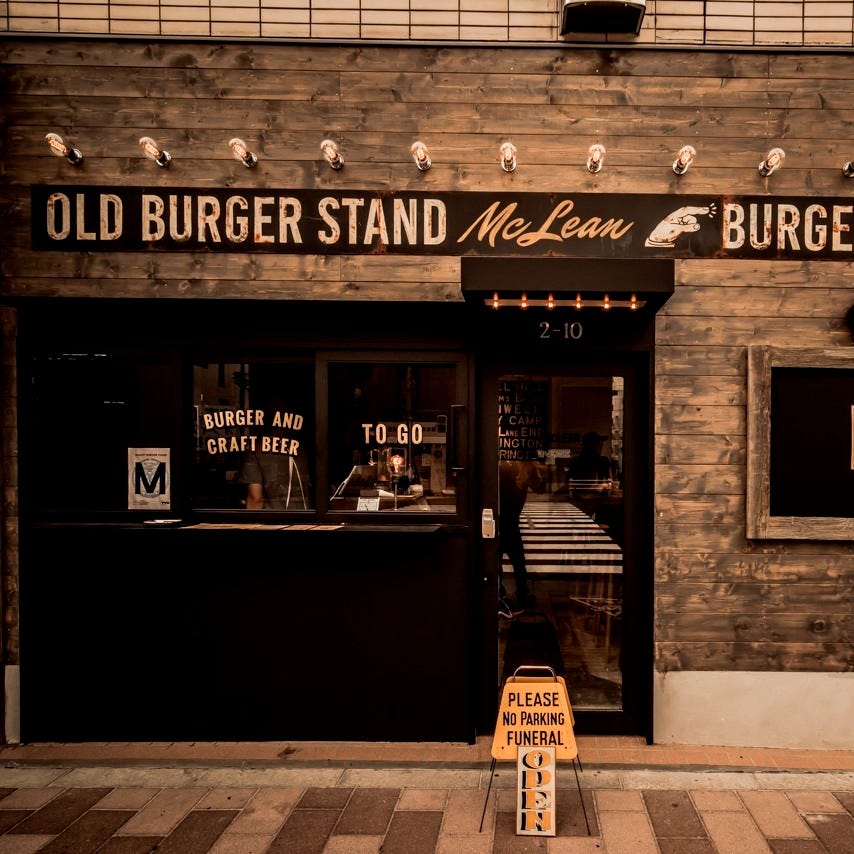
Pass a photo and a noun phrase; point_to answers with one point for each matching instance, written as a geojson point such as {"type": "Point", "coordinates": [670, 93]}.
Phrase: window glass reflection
{"type": "Point", "coordinates": [254, 430]}
{"type": "Point", "coordinates": [561, 524]}
{"type": "Point", "coordinates": [388, 437]}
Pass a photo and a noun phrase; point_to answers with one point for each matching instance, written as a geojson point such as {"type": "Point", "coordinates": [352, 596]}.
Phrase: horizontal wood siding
{"type": "Point", "coordinates": [722, 602]}
{"type": "Point", "coordinates": [462, 102]}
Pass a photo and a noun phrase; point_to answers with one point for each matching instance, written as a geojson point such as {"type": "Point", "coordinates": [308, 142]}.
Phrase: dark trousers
{"type": "Point", "coordinates": [510, 539]}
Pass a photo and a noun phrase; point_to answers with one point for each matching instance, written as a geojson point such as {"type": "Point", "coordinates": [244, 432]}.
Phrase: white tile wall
{"type": "Point", "coordinates": [717, 22]}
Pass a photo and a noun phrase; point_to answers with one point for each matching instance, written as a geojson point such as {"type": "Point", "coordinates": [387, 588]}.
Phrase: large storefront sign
{"type": "Point", "coordinates": [582, 225]}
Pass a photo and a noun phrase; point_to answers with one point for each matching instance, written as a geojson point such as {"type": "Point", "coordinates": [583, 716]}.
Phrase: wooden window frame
{"type": "Point", "coordinates": [761, 360]}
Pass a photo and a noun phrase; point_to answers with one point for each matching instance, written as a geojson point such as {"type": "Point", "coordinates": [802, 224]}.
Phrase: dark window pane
{"type": "Point", "coordinates": [84, 412]}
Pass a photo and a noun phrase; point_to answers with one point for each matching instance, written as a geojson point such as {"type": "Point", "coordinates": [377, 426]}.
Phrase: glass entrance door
{"type": "Point", "coordinates": [570, 538]}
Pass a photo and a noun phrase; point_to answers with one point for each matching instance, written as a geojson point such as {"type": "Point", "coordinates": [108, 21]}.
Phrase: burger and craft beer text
{"type": "Point", "coordinates": [231, 419]}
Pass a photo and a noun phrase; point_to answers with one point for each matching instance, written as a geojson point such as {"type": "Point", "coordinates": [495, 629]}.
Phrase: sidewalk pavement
{"type": "Point", "coordinates": [355, 798]}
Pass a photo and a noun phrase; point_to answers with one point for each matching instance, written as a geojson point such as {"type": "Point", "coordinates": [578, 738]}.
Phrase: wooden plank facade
{"type": "Point", "coordinates": [722, 602]}
{"type": "Point", "coordinates": [724, 22]}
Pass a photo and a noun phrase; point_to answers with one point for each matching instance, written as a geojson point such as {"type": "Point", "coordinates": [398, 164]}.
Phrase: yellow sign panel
{"type": "Point", "coordinates": [534, 712]}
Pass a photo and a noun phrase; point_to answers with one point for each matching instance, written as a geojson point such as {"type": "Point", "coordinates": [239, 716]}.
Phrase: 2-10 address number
{"type": "Point", "coordinates": [561, 330]}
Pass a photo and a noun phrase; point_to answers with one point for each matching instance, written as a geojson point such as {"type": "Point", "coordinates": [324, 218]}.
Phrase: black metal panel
{"type": "Point", "coordinates": [136, 634]}
{"type": "Point", "coordinates": [565, 276]}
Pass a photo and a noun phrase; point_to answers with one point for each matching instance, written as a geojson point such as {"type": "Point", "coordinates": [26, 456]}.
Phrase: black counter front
{"type": "Point", "coordinates": [212, 633]}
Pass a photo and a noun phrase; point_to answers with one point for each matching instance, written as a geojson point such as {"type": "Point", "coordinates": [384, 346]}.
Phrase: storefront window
{"type": "Point", "coordinates": [389, 430]}
{"type": "Point", "coordinates": [84, 414]}
{"type": "Point", "coordinates": [254, 435]}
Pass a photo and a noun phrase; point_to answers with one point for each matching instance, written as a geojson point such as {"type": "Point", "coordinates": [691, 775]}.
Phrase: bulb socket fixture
{"type": "Point", "coordinates": [332, 153]}
{"type": "Point", "coordinates": [684, 159]}
{"type": "Point", "coordinates": [154, 152]}
{"type": "Point", "coordinates": [772, 162]}
{"type": "Point", "coordinates": [848, 169]}
{"type": "Point", "coordinates": [241, 152]}
{"type": "Point", "coordinates": [73, 155]}
{"type": "Point", "coordinates": [420, 155]}
{"type": "Point", "coordinates": [508, 156]}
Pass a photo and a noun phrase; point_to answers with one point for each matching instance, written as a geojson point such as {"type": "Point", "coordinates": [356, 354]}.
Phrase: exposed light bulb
{"type": "Point", "coordinates": [773, 161]}
{"type": "Point", "coordinates": [550, 302]}
{"type": "Point", "coordinates": [495, 301]}
{"type": "Point", "coordinates": [508, 156]}
{"type": "Point", "coordinates": [606, 303]}
{"type": "Point", "coordinates": [421, 155]}
{"type": "Point", "coordinates": [684, 159]}
{"type": "Point", "coordinates": [332, 153]}
{"type": "Point", "coordinates": [524, 301]}
{"type": "Point", "coordinates": [240, 152]}
{"type": "Point", "coordinates": [154, 152]}
{"type": "Point", "coordinates": [595, 157]}
{"type": "Point", "coordinates": [58, 147]}
{"type": "Point", "coordinates": [578, 303]}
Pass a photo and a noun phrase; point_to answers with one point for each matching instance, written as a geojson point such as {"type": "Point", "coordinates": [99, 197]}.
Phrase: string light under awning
{"type": "Point", "coordinates": [567, 284]}
{"type": "Point", "coordinates": [579, 302]}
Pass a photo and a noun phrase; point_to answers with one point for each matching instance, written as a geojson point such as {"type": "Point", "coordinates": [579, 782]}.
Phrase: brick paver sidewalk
{"type": "Point", "coordinates": [340, 798]}
{"type": "Point", "coordinates": [184, 808]}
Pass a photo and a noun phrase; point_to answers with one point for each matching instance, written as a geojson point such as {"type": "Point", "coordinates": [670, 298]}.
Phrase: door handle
{"type": "Point", "coordinates": [456, 451]}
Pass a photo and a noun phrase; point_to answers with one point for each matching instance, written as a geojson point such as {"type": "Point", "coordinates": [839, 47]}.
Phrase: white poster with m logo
{"type": "Point", "coordinates": [149, 479]}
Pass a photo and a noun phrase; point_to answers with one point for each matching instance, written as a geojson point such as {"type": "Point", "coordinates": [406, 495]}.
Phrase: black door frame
{"type": "Point", "coordinates": [507, 346]}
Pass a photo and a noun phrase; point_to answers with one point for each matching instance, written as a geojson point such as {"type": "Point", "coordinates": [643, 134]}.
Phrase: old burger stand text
{"type": "Point", "coordinates": [74, 218]}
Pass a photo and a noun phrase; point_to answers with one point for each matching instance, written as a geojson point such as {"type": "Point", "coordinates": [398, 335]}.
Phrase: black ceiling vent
{"type": "Point", "coordinates": [602, 16]}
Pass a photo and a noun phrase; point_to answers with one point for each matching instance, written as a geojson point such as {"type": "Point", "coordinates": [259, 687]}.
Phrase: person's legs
{"type": "Point", "coordinates": [513, 547]}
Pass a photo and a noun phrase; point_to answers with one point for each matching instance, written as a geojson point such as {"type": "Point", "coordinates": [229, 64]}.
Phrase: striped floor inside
{"type": "Point", "coordinates": [561, 539]}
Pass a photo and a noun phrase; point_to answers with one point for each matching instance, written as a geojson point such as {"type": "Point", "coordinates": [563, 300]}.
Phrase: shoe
{"type": "Point", "coordinates": [506, 609]}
